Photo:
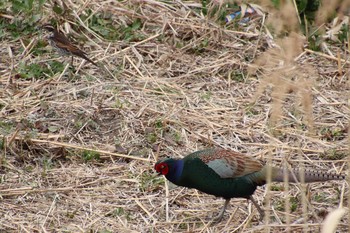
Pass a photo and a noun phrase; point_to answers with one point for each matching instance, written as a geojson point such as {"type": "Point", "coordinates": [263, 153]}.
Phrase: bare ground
{"type": "Point", "coordinates": [79, 146]}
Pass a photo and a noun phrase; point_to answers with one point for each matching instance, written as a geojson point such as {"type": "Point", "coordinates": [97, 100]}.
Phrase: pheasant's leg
{"type": "Point", "coordinates": [261, 212]}
{"type": "Point", "coordinates": [221, 214]}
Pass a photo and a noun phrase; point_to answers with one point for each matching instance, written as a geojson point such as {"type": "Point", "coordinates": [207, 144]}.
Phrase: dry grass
{"type": "Point", "coordinates": [182, 86]}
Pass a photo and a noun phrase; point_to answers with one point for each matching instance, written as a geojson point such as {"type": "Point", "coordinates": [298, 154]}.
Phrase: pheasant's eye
{"type": "Point", "coordinates": [162, 168]}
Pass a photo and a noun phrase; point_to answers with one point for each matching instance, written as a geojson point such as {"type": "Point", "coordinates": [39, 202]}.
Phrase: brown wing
{"type": "Point", "coordinates": [245, 164]}
{"type": "Point", "coordinates": [63, 42]}
{"type": "Point", "coordinates": [228, 163]}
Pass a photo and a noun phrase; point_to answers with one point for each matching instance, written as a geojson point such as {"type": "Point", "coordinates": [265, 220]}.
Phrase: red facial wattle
{"type": "Point", "coordinates": [162, 168]}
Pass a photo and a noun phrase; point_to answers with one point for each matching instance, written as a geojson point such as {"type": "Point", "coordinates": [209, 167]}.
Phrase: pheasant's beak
{"type": "Point", "coordinates": [156, 174]}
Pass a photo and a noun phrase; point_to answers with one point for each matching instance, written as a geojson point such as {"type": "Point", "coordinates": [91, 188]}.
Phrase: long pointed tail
{"type": "Point", "coordinates": [294, 175]}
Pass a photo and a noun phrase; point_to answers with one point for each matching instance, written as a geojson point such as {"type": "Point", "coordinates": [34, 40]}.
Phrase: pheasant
{"type": "Point", "coordinates": [229, 174]}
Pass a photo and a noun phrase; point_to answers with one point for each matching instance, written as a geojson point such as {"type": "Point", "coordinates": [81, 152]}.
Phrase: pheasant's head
{"type": "Point", "coordinates": [162, 167]}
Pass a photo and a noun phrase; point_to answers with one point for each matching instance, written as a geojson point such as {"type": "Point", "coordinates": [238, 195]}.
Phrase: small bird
{"type": "Point", "coordinates": [229, 174]}
{"type": "Point", "coordinates": [60, 42]}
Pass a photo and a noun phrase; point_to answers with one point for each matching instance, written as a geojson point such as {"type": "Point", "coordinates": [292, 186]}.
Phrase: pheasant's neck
{"type": "Point", "coordinates": [175, 171]}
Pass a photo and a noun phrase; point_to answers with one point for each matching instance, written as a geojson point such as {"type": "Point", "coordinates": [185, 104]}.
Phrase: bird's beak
{"type": "Point", "coordinates": [157, 173]}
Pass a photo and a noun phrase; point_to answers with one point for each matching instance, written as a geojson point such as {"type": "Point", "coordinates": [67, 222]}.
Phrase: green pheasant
{"type": "Point", "coordinates": [228, 174]}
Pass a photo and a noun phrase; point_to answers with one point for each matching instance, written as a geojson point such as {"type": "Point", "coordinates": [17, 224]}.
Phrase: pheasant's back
{"type": "Point", "coordinates": [227, 163]}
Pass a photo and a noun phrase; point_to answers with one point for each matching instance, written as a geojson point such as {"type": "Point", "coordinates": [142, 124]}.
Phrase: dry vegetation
{"type": "Point", "coordinates": [78, 146]}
